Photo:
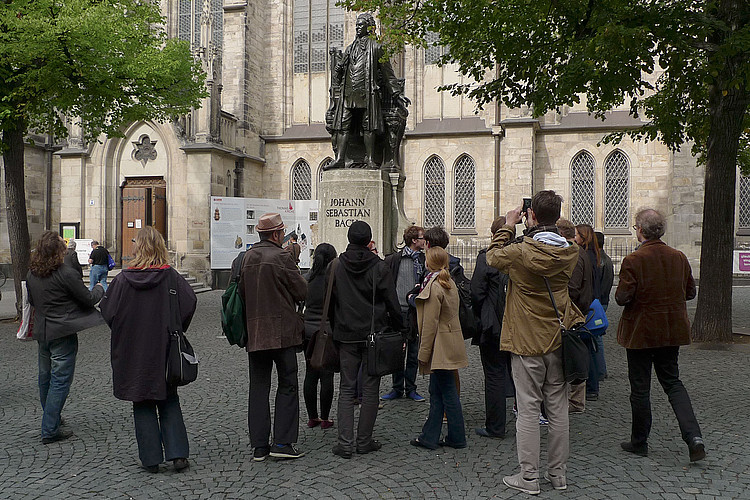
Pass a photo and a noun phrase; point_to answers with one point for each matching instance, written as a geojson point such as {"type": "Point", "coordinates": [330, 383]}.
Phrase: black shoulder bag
{"type": "Point", "coordinates": [385, 349]}
{"type": "Point", "coordinates": [322, 352]}
{"type": "Point", "coordinates": [575, 353]}
{"type": "Point", "coordinates": [182, 365]}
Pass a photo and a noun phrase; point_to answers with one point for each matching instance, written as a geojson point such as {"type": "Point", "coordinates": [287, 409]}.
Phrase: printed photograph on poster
{"type": "Point", "coordinates": [234, 221]}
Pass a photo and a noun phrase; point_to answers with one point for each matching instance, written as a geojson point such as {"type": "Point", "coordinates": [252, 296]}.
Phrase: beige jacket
{"type": "Point", "coordinates": [441, 344]}
{"type": "Point", "coordinates": [530, 326]}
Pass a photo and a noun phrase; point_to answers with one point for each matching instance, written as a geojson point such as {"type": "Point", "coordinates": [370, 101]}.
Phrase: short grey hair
{"type": "Point", "coordinates": [652, 223]}
{"type": "Point", "coordinates": [71, 244]}
{"type": "Point", "coordinates": [368, 17]}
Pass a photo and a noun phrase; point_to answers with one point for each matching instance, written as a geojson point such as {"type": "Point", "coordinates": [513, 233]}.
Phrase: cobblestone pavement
{"type": "Point", "coordinates": [101, 461]}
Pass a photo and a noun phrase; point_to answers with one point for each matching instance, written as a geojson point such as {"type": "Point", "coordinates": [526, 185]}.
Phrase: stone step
{"type": "Point", "coordinates": [197, 286]}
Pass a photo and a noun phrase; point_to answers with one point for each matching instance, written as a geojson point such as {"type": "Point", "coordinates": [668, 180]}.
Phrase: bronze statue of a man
{"type": "Point", "coordinates": [358, 85]}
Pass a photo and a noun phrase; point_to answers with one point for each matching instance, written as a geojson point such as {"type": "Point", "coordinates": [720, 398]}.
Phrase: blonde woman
{"type": "Point", "coordinates": [441, 352]}
{"type": "Point", "coordinates": [137, 307]}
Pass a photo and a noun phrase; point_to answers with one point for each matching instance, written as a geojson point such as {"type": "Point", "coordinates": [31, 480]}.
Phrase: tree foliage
{"type": "Point", "coordinates": [683, 65]}
{"type": "Point", "coordinates": [658, 57]}
{"type": "Point", "coordinates": [98, 63]}
{"type": "Point", "coordinates": [106, 62]}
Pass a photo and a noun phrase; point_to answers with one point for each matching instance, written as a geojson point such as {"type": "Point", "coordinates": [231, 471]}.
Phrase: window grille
{"type": "Point", "coordinates": [301, 35]}
{"type": "Point", "coordinates": [434, 192]}
{"type": "Point", "coordinates": [318, 25]}
{"type": "Point", "coordinates": [744, 200]}
{"type": "Point", "coordinates": [433, 50]}
{"type": "Point", "coordinates": [189, 22]}
{"type": "Point", "coordinates": [582, 189]}
{"type": "Point", "coordinates": [323, 165]}
{"type": "Point", "coordinates": [616, 183]}
{"type": "Point", "coordinates": [463, 209]}
{"type": "Point", "coordinates": [301, 181]}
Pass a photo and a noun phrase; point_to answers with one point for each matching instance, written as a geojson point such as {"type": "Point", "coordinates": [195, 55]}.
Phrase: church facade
{"type": "Point", "coordinates": [261, 133]}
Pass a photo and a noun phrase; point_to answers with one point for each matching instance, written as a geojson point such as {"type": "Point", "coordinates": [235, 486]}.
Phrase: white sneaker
{"type": "Point", "coordinates": [558, 482]}
{"type": "Point", "coordinates": [542, 420]}
{"type": "Point", "coordinates": [517, 482]}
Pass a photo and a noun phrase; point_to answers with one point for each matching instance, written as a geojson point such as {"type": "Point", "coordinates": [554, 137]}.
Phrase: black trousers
{"type": "Point", "coordinates": [664, 361]}
{"type": "Point", "coordinates": [286, 413]}
{"type": "Point", "coordinates": [310, 391]}
{"type": "Point", "coordinates": [495, 365]}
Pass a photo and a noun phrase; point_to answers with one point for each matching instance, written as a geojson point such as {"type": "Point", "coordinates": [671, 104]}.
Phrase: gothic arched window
{"type": "Point", "coordinates": [616, 190]}
{"type": "Point", "coordinates": [301, 181]}
{"type": "Point", "coordinates": [463, 197]}
{"type": "Point", "coordinates": [744, 203]}
{"type": "Point", "coordinates": [189, 22]}
{"type": "Point", "coordinates": [434, 192]}
{"type": "Point", "coordinates": [582, 189]}
{"type": "Point", "coordinates": [318, 25]}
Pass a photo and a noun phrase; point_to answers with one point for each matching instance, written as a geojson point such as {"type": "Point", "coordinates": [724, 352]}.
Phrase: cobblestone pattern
{"type": "Point", "coordinates": [101, 461]}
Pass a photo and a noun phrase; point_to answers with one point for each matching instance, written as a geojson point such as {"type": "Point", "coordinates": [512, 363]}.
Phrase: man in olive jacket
{"type": "Point", "coordinates": [655, 281]}
{"type": "Point", "coordinates": [271, 285]}
{"type": "Point", "coordinates": [531, 332]}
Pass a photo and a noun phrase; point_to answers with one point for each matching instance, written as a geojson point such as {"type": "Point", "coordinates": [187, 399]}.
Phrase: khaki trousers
{"type": "Point", "coordinates": [540, 379]}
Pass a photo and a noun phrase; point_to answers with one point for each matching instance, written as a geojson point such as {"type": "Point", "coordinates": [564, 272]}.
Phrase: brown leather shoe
{"type": "Point", "coordinates": [180, 464]}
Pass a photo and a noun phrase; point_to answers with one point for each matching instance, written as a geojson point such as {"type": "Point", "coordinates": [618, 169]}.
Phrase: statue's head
{"type": "Point", "coordinates": [365, 24]}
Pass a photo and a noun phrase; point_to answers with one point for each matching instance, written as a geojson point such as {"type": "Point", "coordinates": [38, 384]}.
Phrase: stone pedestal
{"type": "Point", "coordinates": [349, 195]}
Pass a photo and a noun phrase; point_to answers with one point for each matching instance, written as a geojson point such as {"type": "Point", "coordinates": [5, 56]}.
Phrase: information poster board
{"type": "Point", "coordinates": [742, 262]}
{"type": "Point", "coordinates": [233, 222]}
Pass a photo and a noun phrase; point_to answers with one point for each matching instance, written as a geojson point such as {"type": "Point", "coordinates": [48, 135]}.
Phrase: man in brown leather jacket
{"type": "Point", "coordinates": [271, 285]}
{"type": "Point", "coordinates": [655, 281]}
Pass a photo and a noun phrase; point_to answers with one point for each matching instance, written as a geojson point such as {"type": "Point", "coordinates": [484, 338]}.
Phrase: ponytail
{"type": "Point", "coordinates": [444, 278]}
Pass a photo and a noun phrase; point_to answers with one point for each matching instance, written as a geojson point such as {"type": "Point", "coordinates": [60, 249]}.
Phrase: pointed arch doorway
{"type": "Point", "coordinates": [144, 203]}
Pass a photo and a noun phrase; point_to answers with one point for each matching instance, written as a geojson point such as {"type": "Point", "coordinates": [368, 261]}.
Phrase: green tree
{"type": "Point", "coordinates": [104, 63]}
{"type": "Point", "coordinates": [682, 64]}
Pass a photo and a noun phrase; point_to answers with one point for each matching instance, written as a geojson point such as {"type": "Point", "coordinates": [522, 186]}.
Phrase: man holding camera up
{"type": "Point", "coordinates": [531, 332]}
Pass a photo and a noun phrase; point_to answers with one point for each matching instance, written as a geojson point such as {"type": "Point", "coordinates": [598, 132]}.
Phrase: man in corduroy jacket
{"type": "Point", "coordinates": [655, 282]}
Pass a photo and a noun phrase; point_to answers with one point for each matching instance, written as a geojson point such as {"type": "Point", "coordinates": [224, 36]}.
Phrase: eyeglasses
{"type": "Point", "coordinates": [420, 238]}
{"type": "Point", "coordinates": [635, 227]}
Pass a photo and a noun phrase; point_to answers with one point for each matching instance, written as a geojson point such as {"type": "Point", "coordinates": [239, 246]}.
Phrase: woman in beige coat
{"type": "Point", "coordinates": [441, 352]}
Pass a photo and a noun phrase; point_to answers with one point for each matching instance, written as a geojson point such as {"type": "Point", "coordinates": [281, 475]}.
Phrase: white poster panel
{"type": "Point", "coordinates": [83, 250]}
{"type": "Point", "coordinates": [234, 221]}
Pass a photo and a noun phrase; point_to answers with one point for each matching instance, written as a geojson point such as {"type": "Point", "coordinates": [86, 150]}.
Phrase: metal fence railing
{"type": "Point", "coordinates": [467, 251]}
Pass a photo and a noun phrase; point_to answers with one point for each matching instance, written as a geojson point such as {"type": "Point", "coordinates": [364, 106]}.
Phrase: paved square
{"type": "Point", "coordinates": [101, 461]}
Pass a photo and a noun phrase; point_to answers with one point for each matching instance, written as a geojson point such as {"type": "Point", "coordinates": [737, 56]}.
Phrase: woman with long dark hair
{"type": "Point", "coordinates": [316, 294]}
{"type": "Point", "coordinates": [586, 239]}
{"type": "Point", "coordinates": [137, 309]}
{"type": "Point", "coordinates": [441, 352]}
{"type": "Point", "coordinates": [63, 306]}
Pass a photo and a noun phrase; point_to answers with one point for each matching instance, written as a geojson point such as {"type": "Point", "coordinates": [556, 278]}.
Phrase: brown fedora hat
{"type": "Point", "coordinates": [270, 222]}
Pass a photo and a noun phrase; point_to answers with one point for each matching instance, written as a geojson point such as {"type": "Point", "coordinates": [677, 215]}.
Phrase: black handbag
{"type": "Point", "coordinates": [322, 352]}
{"type": "Point", "coordinates": [575, 353]}
{"type": "Point", "coordinates": [182, 365]}
{"type": "Point", "coordinates": [385, 349]}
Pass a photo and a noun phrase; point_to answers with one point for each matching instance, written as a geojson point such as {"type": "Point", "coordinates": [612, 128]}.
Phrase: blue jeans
{"type": "Point", "coordinates": [601, 363]}
{"type": "Point", "coordinates": [592, 383]}
{"type": "Point", "coordinates": [57, 362]}
{"type": "Point", "coordinates": [168, 430]}
{"type": "Point", "coordinates": [405, 381]}
{"type": "Point", "coordinates": [98, 273]}
{"type": "Point", "coordinates": [444, 401]}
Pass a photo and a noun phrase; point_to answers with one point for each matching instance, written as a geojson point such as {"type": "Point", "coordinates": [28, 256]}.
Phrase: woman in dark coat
{"type": "Point", "coordinates": [63, 306]}
{"type": "Point", "coordinates": [586, 239]}
{"type": "Point", "coordinates": [137, 309]}
{"type": "Point", "coordinates": [488, 299]}
{"type": "Point", "coordinates": [316, 294]}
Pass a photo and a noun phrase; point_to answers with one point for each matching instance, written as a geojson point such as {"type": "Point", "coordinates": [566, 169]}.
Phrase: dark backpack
{"type": "Point", "coordinates": [233, 315]}
{"type": "Point", "coordinates": [469, 323]}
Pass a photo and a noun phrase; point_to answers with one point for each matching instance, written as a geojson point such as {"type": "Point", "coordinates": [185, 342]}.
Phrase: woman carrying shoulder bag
{"type": "Point", "coordinates": [63, 306]}
{"type": "Point", "coordinates": [441, 352]}
{"type": "Point", "coordinates": [316, 295]}
{"type": "Point", "coordinates": [137, 309]}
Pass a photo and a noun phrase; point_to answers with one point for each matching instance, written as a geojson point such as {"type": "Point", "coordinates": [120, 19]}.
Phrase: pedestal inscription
{"type": "Point", "coordinates": [350, 195]}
